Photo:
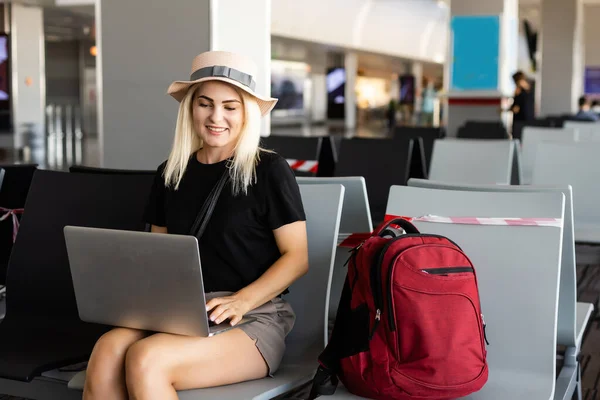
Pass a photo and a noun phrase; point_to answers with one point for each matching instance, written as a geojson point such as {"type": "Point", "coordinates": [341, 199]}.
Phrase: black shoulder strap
{"type": "Point", "coordinates": [324, 383]}
{"type": "Point", "coordinates": [402, 223]}
{"type": "Point", "coordinates": [208, 207]}
{"type": "Point", "coordinates": [326, 380]}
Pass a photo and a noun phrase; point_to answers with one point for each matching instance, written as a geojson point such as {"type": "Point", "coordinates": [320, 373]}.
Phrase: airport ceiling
{"type": "Point", "coordinates": [69, 23]}
{"type": "Point", "coordinates": [76, 22]}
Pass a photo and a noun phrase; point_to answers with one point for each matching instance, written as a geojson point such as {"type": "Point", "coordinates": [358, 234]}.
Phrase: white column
{"type": "Point", "coordinates": [139, 55]}
{"type": "Point", "coordinates": [395, 88]}
{"type": "Point", "coordinates": [561, 67]}
{"type": "Point", "coordinates": [351, 67]}
{"type": "Point", "coordinates": [318, 77]}
{"type": "Point", "coordinates": [28, 76]}
{"type": "Point", "coordinates": [417, 71]}
{"type": "Point", "coordinates": [244, 27]}
{"type": "Point", "coordinates": [591, 35]}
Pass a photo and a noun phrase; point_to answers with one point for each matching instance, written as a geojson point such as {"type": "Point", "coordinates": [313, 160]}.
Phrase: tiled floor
{"type": "Point", "coordinates": [589, 291]}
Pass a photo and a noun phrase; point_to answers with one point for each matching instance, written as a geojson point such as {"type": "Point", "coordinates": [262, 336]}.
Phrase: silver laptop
{"type": "Point", "coordinates": [140, 280]}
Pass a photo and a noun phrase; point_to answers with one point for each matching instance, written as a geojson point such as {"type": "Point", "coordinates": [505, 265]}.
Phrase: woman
{"type": "Point", "coordinates": [253, 248]}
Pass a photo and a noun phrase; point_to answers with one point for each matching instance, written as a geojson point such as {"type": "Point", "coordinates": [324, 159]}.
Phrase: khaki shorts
{"type": "Point", "coordinates": [274, 321]}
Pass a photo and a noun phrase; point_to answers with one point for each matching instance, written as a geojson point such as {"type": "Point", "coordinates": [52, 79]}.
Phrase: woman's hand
{"type": "Point", "coordinates": [293, 263]}
{"type": "Point", "coordinates": [232, 307]}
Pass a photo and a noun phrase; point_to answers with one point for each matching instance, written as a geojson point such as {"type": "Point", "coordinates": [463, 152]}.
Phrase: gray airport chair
{"type": "Point", "coordinates": [356, 218]}
{"type": "Point", "coordinates": [472, 161]}
{"type": "Point", "coordinates": [533, 136]}
{"type": "Point", "coordinates": [309, 298]}
{"type": "Point", "coordinates": [522, 354]}
{"type": "Point", "coordinates": [510, 261]}
{"type": "Point", "coordinates": [42, 329]}
{"type": "Point", "coordinates": [382, 162]}
{"type": "Point", "coordinates": [588, 131]}
{"type": "Point", "coordinates": [578, 165]}
{"type": "Point", "coordinates": [573, 317]}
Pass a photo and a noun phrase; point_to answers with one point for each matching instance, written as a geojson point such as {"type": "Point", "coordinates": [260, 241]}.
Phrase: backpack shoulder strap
{"type": "Point", "coordinates": [325, 380]}
{"type": "Point", "coordinates": [324, 383]}
{"type": "Point", "coordinates": [208, 207]}
{"type": "Point", "coordinates": [406, 226]}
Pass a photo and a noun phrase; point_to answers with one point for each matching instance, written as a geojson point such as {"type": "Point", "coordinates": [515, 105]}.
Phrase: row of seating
{"type": "Point", "coordinates": [329, 153]}
{"type": "Point", "coordinates": [386, 162]}
{"type": "Point", "coordinates": [473, 129]}
{"type": "Point", "coordinates": [523, 348]}
{"type": "Point", "coordinates": [42, 330]}
{"type": "Point", "coordinates": [322, 153]}
{"type": "Point", "coordinates": [393, 166]}
{"type": "Point", "coordinates": [348, 200]}
{"type": "Point", "coordinates": [572, 132]}
{"type": "Point", "coordinates": [547, 156]}
{"type": "Point", "coordinates": [526, 326]}
{"type": "Point", "coordinates": [506, 162]}
{"type": "Point", "coordinates": [550, 167]}
{"type": "Point", "coordinates": [487, 248]}
{"type": "Point", "coordinates": [13, 193]}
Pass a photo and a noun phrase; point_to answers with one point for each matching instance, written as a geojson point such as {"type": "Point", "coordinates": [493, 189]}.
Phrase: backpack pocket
{"type": "Point", "coordinates": [439, 339]}
{"type": "Point", "coordinates": [438, 328]}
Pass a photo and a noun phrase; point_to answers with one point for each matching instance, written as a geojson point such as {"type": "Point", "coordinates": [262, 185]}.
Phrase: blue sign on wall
{"type": "Point", "coordinates": [592, 80]}
{"type": "Point", "coordinates": [475, 53]}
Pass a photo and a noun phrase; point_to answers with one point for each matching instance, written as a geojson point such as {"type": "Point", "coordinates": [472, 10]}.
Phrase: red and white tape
{"type": "Point", "coordinates": [354, 239]}
{"type": "Point", "coordinates": [553, 222]}
{"type": "Point", "coordinates": [15, 221]}
{"type": "Point", "coordinates": [304, 165]}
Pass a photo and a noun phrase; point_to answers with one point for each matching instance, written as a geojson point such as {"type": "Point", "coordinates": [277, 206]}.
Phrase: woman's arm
{"type": "Point", "coordinates": [158, 229]}
{"type": "Point", "coordinates": [293, 263]}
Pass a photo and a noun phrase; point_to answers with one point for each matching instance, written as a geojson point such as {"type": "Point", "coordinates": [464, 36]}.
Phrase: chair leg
{"type": "Point", "coordinates": [567, 382]}
{"type": "Point", "coordinates": [578, 390]}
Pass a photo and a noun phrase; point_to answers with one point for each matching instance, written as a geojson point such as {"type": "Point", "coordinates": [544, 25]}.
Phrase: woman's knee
{"type": "Point", "coordinates": [142, 363]}
{"type": "Point", "coordinates": [107, 363]}
{"type": "Point", "coordinates": [113, 344]}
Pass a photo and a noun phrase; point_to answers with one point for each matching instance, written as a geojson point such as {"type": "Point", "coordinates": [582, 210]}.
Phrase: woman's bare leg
{"type": "Point", "coordinates": [161, 364]}
{"type": "Point", "coordinates": [105, 377]}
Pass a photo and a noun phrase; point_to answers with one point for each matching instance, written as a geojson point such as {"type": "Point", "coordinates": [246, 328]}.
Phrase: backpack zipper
{"type": "Point", "coordinates": [445, 271]}
{"type": "Point", "coordinates": [376, 323]}
{"type": "Point", "coordinates": [377, 285]}
{"type": "Point", "coordinates": [484, 325]}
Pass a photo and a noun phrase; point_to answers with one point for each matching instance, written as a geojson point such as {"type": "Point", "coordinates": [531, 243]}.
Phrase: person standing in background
{"type": "Point", "coordinates": [523, 100]}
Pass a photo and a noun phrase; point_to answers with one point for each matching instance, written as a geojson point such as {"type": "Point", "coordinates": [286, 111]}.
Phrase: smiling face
{"type": "Point", "coordinates": [218, 114]}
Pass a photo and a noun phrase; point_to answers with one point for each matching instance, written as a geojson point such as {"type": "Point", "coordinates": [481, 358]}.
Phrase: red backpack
{"type": "Point", "coordinates": [409, 323]}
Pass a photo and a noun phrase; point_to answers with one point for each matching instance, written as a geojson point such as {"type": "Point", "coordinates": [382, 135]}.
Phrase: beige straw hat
{"type": "Point", "coordinates": [223, 66]}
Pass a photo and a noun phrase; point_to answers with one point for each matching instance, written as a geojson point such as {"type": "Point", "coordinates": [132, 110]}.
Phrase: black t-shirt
{"type": "Point", "coordinates": [238, 245]}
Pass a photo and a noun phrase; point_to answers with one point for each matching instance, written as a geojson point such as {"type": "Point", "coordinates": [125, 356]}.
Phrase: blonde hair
{"type": "Point", "coordinates": [242, 167]}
